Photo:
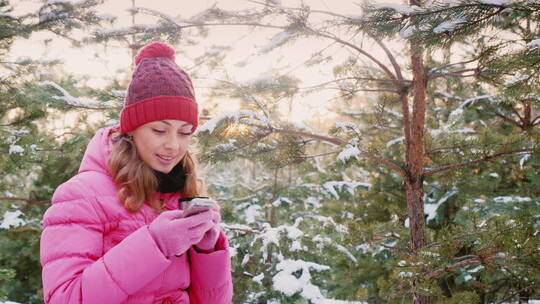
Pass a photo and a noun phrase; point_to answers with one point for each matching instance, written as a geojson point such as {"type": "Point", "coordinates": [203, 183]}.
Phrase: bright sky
{"type": "Point", "coordinates": [102, 63]}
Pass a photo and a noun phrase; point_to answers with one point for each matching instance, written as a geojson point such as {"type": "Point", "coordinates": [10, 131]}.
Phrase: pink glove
{"type": "Point", "coordinates": [210, 238]}
{"type": "Point", "coordinates": [174, 234]}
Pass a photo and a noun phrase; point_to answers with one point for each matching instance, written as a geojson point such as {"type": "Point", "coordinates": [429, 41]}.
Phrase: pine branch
{"type": "Point", "coordinates": [469, 262]}
{"type": "Point", "coordinates": [398, 249]}
{"type": "Point", "coordinates": [385, 162]}
{"type": "Point", "coordinates": [255, 24]}
{"type": "Point", "coordinates": [441, 149]}
{"type": "Point", "coordinates": [484, 257]}
{"type": "Point", "coordinates": [153, 13]}
{"type": "Point", "coordinates": [319, 155]}
{"type": "Point", "coordinates": [445, 66]}
{"type": "Point", "coordinates": [535, 122]}
{"type": "Point", "coordinates": [350, 78]}
{"type": "Point", "coordinates": [429, 172]}
{"type": "Point", "coordinates": [517, 113]}
{"type": "Point", "coordinates": [350, 92]}
{"type": "Point", "coordinates": [317, 33]}
{"type": "Point", "coordinates": [442, 10]}
{"type": "Point", "coordinates": [361, 51]}
{"type": "Point", "coordinates": [515, 294]}
{"type": "Point", "coordinates": [299, 9]}
{"type": "Point", "coordinates": [508, 119]}
{"type": "Point", "coordinates": [332, 140]}
{"type": "Point", "coordinates": [260, 106]}
{"type": "Point", "coordinates": [391, 57]}
{"type": "Point", "coordinates": [28, 201]}
{"type": "Point", "coordinates": [69, 9]}
{"type": "Point", "coordinates": [244, 229]}
{"type": "Point", "coordinates": [337, 141]}
{"type": "Point", "coordinates": [456, 74]}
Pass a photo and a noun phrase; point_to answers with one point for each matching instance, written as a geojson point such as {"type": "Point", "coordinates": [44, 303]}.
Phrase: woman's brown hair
{"type": "Point", "coordinates": [136, 180]}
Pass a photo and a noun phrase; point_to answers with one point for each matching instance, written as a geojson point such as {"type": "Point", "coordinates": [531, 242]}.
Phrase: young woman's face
{"type": "Point", "coordinates": [162, 144]}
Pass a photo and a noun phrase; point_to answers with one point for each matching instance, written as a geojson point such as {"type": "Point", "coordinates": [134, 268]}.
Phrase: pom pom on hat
{"type": "Point", "coordinates": [155, 50]}
{"type": "Point", "coordinates": [159, 90]}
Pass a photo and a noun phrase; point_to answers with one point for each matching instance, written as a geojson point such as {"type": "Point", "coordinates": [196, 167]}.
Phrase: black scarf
{"type": "Point", "coordinates": [171, 182]}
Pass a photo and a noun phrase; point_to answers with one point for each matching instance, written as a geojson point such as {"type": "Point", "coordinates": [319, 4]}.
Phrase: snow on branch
{"type": "Point", "coordinates": [398, 8]}
{"type": "Point", "coordinates": [56, 10]}
{"type": "Point", "coordinates": [449, 26]}
{"type": "Point", "coordinates": [495, 2]}
{"type": "Point", "coordinates": [280, 39]}
{"type": "Point", "coordinates": [326, 241]}
{"type": "Point", "coordinates": [432, 171]}
{"type": "Point", "coordinates": [535, 43]}
{"type": "Point", "coordinates": [78, 102]}
{"type": "Point", "coordinates": [271, 235]}
{"type": "Point", "coordinates": [286, 282]}
{"type": "Point", "coordinates": [431, 209]}
{"type": "Point", "coordinates": [135, 29]}
{"type": "Point", "coordinates": [331, 187]}
{"type": "Point", "coordinates": [238, 116]}
{"type": "Point", "coordinates": [12, 219]}
{"type": "Point", "coordinates": [153, 12]}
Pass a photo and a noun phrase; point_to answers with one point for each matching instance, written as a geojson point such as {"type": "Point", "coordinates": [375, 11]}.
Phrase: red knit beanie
{"type": "Point", "coordinates": [159, 90]}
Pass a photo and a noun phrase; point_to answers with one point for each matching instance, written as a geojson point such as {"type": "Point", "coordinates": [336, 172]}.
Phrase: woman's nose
{"type": "Point", "coordinates": [172, 142]}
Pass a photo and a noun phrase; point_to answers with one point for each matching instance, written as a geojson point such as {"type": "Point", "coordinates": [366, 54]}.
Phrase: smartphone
{"type": "Point", "coordinates": [196, 205]}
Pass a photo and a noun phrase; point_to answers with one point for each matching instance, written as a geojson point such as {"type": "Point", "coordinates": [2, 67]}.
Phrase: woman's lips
{"type": "Point", "coordinates": [166, 160]}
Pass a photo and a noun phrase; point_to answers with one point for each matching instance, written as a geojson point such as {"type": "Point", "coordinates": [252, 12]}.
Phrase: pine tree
{"type": "Point", "coordinates": [33, 160]}
{"type": "Point", "coordinates": [449, 147]}
{"type": "Point", "coordinates": [423, 191]}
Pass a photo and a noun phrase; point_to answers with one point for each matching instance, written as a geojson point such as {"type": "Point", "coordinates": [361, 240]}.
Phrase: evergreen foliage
{"type": "Point", "coordinates": [34, 159]}
{"type": "Point", "coordinates": [322, 213]}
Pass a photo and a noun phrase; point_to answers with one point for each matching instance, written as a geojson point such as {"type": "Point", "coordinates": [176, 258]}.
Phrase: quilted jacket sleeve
{"type": "Point", "coordinates": [75, 270]}
{"type": "Point", "coordinates": [211, 280]}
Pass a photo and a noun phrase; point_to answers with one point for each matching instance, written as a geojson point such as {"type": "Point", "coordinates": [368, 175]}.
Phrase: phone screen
{"type": "Point", "coordinates": [196, 205]}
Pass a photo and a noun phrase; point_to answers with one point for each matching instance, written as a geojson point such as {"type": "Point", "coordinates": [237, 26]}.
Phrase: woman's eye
{"type": "Point", "coordinates": [185, 134]}
{"type": "Point", "coordinates": [158, 131]}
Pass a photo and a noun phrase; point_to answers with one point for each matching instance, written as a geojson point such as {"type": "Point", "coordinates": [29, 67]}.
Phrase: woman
{"type": "Point", "coordinates": [114, 233]}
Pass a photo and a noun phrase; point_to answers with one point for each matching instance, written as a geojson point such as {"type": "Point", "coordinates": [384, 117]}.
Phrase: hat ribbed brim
{"type": "Point", "coordinates": [159, 108]}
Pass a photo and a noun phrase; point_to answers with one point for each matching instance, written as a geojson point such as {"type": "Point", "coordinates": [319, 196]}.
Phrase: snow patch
{"type": "Point", "coordinates": [348, 152]}
{"type": "Point", "coordinates": [331, 186]}
{"type": "Point", "coordinates": [11, 219]}
{"type": "Point", "coordinates": [77, 102]}
{"type": "Point", "coordinates": [252, 213]}
{"type": "Point", "coordinates": [495, 2]}
{"type": "Point", "coordinates": [534, 43]}
{"type": "Point", "coordinates": [523, 159]}
{"type": "Point", "coordinates": [407, 31]}
{"type": "Point", "coordinates": [285, 281]}
{"type": "Point", "coordinates": [402, 9]}
{"type": "Point", "coordinates": [511, 199]}
{"type": "Point", "coordinates": [448, 26]}
{"type": "Point", "coordinates": [431, 209]}
{"type": "Point", "coordinates": [517, 78]}
{"type": "Point", "coordinates": [279, 39]}
{"type": "Point", "coordinates": [395, 141]}
{"type": "Point", "coordinates": [258, 278]}
{"type": "Point", "coordinates": [280, 200]}
{"type": "Point", "coordinates": [211, 125]}
{"type": "Point", "coordinates": [15, 149]}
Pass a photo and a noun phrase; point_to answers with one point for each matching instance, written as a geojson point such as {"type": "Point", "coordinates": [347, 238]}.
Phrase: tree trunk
{"type": "Point", "coordinates": [527, 117]}
{"type": "Point", "coordinates": [415, 157]}
{"type": "Point", "coordinates": [415, 161]}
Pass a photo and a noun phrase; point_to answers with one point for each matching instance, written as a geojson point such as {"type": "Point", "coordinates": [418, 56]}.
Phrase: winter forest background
{"type": "Point", "coordinates": [362, 152]}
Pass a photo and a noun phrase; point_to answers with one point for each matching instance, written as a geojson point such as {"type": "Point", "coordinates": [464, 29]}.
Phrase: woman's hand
{"type": "Point", "coordinates": [175, 234]}
{"type": "Point", "coordinates": [208, 242]}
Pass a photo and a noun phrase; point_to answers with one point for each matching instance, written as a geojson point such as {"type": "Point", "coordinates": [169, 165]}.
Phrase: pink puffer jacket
{"type": "Point", "coordinates": [94, 251]}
